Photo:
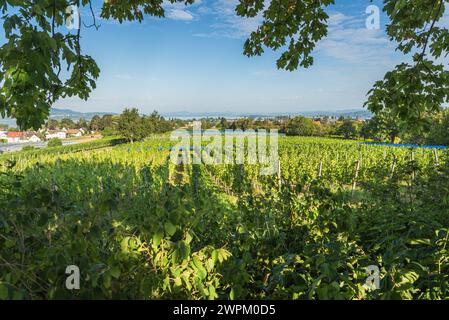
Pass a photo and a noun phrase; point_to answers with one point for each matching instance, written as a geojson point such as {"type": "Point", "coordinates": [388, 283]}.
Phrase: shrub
{"type": "Point", "coordinates": [28, 148]}
{"type": "Point", "coordinates": [54, 143]}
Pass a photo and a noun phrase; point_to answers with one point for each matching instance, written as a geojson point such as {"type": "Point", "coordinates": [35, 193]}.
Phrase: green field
{"type": "Point", "coordinates": [138, 226]}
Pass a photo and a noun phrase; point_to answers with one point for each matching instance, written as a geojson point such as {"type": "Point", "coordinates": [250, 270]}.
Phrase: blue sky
{"type": "Point", "coordinates": [192, 61]}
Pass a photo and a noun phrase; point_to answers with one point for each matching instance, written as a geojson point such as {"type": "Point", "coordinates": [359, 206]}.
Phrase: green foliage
{"type": "Point", "coordinates": [52, 124]}
{"type": "Point", "coordinates": [155, 123]}
{"type": "Point", "coordinates": [67, 123]}
{"type": "Point", "coordinates": [140, 227]}
{"type": "Point", "coordinates": [55, 142]}
{"type": "Point", "coordinates": [73, 148]}
{"type": "Point", "coordinates": [382, 127]}
{"type": "Point", "coordinates": [95, 123]}
{"type": "Point", "coordinates": [28, 148]}
{"type": "Point", "coordinates": [82, 123]}
{"type": "Point", "coordinates": [413, 91]}
{"type": "Point", "coordinates": [439, 132]}
{"type": "Point", "coordinates": [32, 57]}
{"type": "Point", "coordinates": [108, 132]}
{"type": "Point", "coordinates": [297, 26]}
{"type": "Point", "coordinates": [131, 125]}
{"type": "Point", "coordinates": [347, 129]}
{"type": "Point", "coordinates": [300, 126]}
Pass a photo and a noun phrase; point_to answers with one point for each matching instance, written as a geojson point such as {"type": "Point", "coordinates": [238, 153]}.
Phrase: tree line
{"type": "Point", "coordinates": [382, 127]}
{"type": "Point", "coordinates": [130, 124]}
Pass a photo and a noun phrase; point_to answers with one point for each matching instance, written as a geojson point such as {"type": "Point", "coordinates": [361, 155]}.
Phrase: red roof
{"type": "Point", "coordinates": [73, 131]}
{"type": "Point", "coordinates": [13, 134]}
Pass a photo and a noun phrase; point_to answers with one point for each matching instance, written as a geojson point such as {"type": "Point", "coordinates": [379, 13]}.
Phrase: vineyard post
{"type": "Point", "coordinates": [435, 153]}
{"type": "Point", "coordinates": [242, 177]}
{"type": "Point", "coordinates": [54, 186]}
{"type": "Point", "coordinates": [167, 164]}
{"type": "Point", "coordinates": [320, 169]}
{"type": "Point", "coordinates": [279, 175]}
{"type": "Point", "coordinates": [356, 175]}
{"type": "Point", "coordinates": [361, 156]}
{"type": "Point", "coordinates": [412, 177]}
{"type": "Point", "coordinates": [393, 167]}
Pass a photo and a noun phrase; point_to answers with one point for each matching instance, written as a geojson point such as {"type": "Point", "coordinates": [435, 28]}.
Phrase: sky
{"type": "Point", "coordinates": [192, 60]}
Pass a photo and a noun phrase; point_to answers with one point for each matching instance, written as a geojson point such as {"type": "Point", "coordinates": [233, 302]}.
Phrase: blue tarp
{"type": "Point", "coordinates": [404, 145]}
{"type": "Point", "coordinates": [186, 148]}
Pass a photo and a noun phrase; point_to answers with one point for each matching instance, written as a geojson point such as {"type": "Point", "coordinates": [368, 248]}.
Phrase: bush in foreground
{"type": "Point", "coordinates": [54, 143]}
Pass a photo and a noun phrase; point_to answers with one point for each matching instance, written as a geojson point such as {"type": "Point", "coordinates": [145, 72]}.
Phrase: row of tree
{"type": "Point", "coordinates": [430, 129]}
{"type": "Point", "coordinates": [130, 124]}
{"type": "Point", "coordinates": [383, 127]}
{"type": "Point", "coordinates": [134, 127]}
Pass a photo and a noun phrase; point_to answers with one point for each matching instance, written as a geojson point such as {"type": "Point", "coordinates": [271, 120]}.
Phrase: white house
{"type": "Point", "coordinates": [55, 135]}
{"type": "Point", "coordinates": [3, 135]}
{"type": "Point", "coordinates": [33, 138]}
{"type": "Point", "coordinates": [74, 133]}
{"type": "Point", "coordinates": [15, 137]}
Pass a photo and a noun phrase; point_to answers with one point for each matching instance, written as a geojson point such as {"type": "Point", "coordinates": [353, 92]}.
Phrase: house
{"type": "Point", "coordinates": [52, 134]}
{"type": "Point", "coordinates": [74, 133]}
{"type": "Point", "coordinates": [32, 137]}
{"type": "Point", "coordinates": [3, 135]}
{"type": "Point", "coordinates": [15, 137]}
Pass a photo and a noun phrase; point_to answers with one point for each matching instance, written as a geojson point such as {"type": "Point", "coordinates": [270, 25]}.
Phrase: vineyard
{"type": "Point", "coordinates": [139, 226]}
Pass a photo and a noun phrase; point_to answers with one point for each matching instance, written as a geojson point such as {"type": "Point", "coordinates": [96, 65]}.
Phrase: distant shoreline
{"type": "Point", "coordinates": [60, 114]}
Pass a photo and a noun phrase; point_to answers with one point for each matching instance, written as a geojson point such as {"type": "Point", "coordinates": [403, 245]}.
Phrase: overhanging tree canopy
{"type": "Point", "coordinates": [37, 48]}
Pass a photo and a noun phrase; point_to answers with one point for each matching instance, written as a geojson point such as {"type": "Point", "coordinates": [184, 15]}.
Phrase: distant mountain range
{"type": "Point", "coordinates": [353, 113]}
{"type": "Point", "coordinates": [74, 115]}
{"type": "Point", "coordinates": [59, 114]}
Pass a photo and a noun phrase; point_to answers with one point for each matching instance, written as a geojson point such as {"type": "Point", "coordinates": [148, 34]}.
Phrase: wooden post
{"type": "Point", "coordinates": [167, 164]}
{"type": "Point", "coordinates": [320, 169]}
{"type": "Point", "coordinates": [393, 167]}
{"type": "Point", "coordinates": [435, 153]}
{"type": "Point", "coordinates": [356, 175]}
{"type": "Point", "coordinates": [279, 175]}
{"type": "Point", "coordinates": [54, 186]}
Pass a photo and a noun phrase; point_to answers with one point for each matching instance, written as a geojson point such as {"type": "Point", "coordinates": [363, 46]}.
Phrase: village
{"type": "Point", "coordinates": [15, 137]}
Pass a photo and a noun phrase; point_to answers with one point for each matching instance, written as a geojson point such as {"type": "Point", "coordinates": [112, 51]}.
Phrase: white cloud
{"type": "Point", "coordinates": [349, 40]}
{"type": "Point", "coordinates": [178, 10]}
{"type": "Point", "coordinates": [337, 18]}
{"type": "Point", "coordinates": [179, 14]}
{"type": "Point", "coordinates": [228, 24]}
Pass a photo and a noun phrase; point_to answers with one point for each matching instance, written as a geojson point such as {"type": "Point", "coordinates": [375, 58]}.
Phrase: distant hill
{"type": "Point", "coordinates": [74, 115]}
{"type": "Point", "coordinates": [59, 114]}
{"type": "Point", "coordinates": [353, 113]}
